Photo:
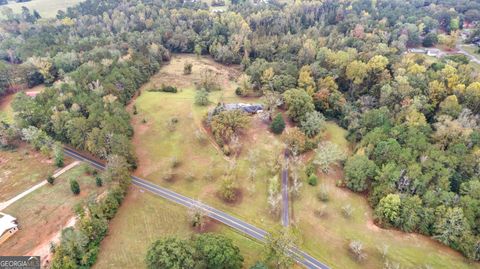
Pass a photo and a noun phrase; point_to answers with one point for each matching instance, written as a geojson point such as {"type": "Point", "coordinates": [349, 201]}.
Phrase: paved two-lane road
{"type": "Point", "coordinates": [247, 229]}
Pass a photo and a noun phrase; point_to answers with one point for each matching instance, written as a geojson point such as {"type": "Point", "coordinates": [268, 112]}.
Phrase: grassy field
{"type": "Point", "coordinates": [22, 168]}
{"type": "Point", "coordinates": [144, 218]}
{"type": "Point", "coordinates": [46, 8]}
{"type": "Point", "coordinates": [201, 165]}
{"type": "Point", "coordinates": [43, 213]}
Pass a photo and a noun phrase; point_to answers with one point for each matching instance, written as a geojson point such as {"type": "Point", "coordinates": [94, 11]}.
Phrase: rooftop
{"type": "Point", "coordinates": [7, 222]}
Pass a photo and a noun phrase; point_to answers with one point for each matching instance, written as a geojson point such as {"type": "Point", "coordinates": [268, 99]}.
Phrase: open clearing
{"type": "Point", "coordinates": [20, 169]}
{"type": "Point", "coordinates": [201, 167]}
{"type": "Point", "coordinates": [144, 218]}
{"type": "Point", "coordinates": [46, 8]}
{"type": "Point", "coordinates": [45, 212]}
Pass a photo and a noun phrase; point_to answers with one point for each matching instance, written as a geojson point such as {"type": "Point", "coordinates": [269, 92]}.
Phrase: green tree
{"type": "Point", "coordinates": [388, 210]}
{"type": "Point", "coordinates": [171, 253]}
{"type": "Point", "coordinates": [74, 186]}
{"type": "Point", "coordinates": [299, 103]}
{"type": "Point", "coordinates": [58, 155]}
{"type": "Point", "coordinates": [450, 227]}
{"type": "Point", "coordinates": [358, 171]}
{"type": "Point", "coordinates": [201, 97]}
{"type": "Point", "coordinates": [228, 123]}
{"type": "Point", "coordinates": [277, 249]}
{"type": "Point", "coordinates": [313, 124]}
{"type": "Point", "coordinates": [278, 124]}
{"type": "Point", "coordinates": [327, 154]}
{"type": "Point", "coordinates": [218, 252]}
{"type": "Point", "coordinates": [98, 181]}
{"type": "Point", "coordinates": [50, 179]}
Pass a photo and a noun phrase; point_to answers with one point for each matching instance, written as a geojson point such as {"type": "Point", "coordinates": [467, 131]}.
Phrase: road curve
{"type": "Point", "coordinates": [247, 229]}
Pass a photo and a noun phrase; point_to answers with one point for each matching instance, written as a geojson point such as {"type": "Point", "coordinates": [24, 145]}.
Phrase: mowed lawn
{"type": "Point", "coordinates": [46, 8]}
{"type": "Point", "coordinates": [327, 237]}
{"type": "Point", "coordinates": [45, 212]}
{"type": "Point", "coordinates": [201, 165]}
{"type": "Point", "coordinates": [22, 168]}
{"type": "Point", "coordinates": [144, 218]}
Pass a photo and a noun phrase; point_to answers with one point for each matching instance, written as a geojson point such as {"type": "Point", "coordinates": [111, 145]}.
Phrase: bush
{"type": "Point", "coordinates": [51, 179]}
{"type": "Point", "coordinates": [312, 180]}
{"type": "Point", "coordinates": [201, 98]}
{"type": "Point", "coordinates": [98, 181]}
{"type": "Point", "coordinates": [347, 211]}
{"type": "Point", "coordinates": [164, 88]}
{"type": "Point", "coordinates": [187, 68]}
{"type": "Point", "coordinates": [74, 186]}
{"type": "Point", "coordinates": [278, 124]}
{"type": "Point", "coordinates": [356, 248]}
{"type": "Point", "coordinates": [323, 194]}
{"type": "Point", "coordinates": [310, 169]}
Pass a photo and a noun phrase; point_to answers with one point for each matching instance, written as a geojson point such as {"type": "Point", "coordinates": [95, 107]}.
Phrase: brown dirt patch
{"type": "Point", "coordinates": [29, 238]}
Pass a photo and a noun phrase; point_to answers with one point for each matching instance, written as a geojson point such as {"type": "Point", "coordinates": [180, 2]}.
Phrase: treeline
{"type": "Point", "coordinates": [79, 245]}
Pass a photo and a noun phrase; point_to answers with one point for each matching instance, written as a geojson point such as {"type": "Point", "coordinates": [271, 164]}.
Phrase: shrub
{"type": "Point", "coordinates": [356, 248]}
{"type": "Point", "coordinates": [98, 181]}
{"type": "Point", "coordinates": [227, 189]}
{"type": "Point", "coordinates": [201, 97]}
{"type": "Point", "coordinates": [310, 169]}
{"type": "Point", "coordinates": [135, 112]}
{"type": "Point", "coordinates": [190, 177]}
{"type": "Point", "coordinates": [168, 175]}
{"type": "Point", "coordinates": [278, 124]}
{"type": "Point", "coordinates": [187, 68]}
{"type": "Point", "coordinates": [323, 194]}
{"type": "Point", "coordinates": [51, 179]}
{"type": "Point", "coordinates": [164, 88]}
{"type": "Point", "coordinates": [174, 162]}
{"type": "Point", "coordinates": [239, 91]}
{"type": "Point", "coordinates": [172, 124]}
{"type": "Point", "coordinates": [347, 211]}
{"type": "Point", "coordinates": [313, 123]}
{"type": "Point", "coordinates": [312, 180]}
{"type": "Point", "coordinates": [74, 186]}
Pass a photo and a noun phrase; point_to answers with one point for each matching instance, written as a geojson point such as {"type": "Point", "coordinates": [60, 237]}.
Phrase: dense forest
{"type": "Point", "coordinates": [414, 119]}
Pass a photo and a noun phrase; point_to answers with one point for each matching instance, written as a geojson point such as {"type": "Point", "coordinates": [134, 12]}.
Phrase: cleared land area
{"type": "Point", "coordinates": [201, 166]}
{"type": "Point", "coordinates": [44, 213]}
{"type": "Point", "coordinates": [46, 8]}
{"type": "Point", "coordinates": [20, 169]}
{"type": "Point", "coordinates": [144, 218]}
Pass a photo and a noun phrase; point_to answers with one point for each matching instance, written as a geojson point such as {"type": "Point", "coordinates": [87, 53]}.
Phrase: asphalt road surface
{"type": "Point", "coordinates": [247, 229]}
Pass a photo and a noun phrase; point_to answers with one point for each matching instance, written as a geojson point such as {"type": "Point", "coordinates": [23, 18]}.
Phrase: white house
{"type": "Point", "coordinates": [8, 227]}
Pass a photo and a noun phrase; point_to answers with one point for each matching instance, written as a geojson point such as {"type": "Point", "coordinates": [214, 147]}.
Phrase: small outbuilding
{"type": "Point", "coordinates": [248, 108]}
{"type": "Point", "coordinates": [8, 227]}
